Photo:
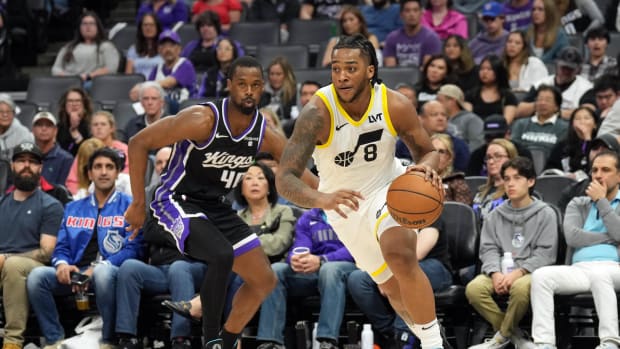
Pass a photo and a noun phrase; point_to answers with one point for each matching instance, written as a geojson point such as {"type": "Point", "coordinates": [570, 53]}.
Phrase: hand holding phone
{"type": "Point", "coordinates": [79, 278]}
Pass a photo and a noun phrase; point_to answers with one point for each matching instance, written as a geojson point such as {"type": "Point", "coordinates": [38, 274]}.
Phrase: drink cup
{"type": "Point", "coordinates": [301, 250]}
{"type": "Point", "coordinates": [81, 301]}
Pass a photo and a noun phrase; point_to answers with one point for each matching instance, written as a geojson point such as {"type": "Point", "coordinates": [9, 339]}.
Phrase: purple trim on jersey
{"type": "Point", "coordinates": [246, 131]}
{"type": "Point", "coordinates": [262, 134]}
{"type": "Point", "coordinates": [214, 130]}
{"type": "Point", "coordinates": [250, 245]}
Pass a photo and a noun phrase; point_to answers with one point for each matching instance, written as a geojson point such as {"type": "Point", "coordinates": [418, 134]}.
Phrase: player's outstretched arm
{"type": "Point", "coordinates": [193, 123]}
{"type": "Point", "coordinates": [407, 125]}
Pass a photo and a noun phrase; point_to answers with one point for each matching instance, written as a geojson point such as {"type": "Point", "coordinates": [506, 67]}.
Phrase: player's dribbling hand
{"type": "Point", "coordinates": [135, 216]}
{"type": "Point", "coordinates": [429, 174]}
{"type": "Point", "coordinates": [345, 197]}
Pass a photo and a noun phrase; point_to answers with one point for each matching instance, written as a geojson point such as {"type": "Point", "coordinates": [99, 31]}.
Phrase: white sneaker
{"type": "Point", "coordinates": [56, 345]}
{"type": "Point", "coordinates": [521, 342]}
{"type": "Point", "coordinates": [607, 345]}
{"type": "Point", "coordinates": [497, 342]}
{"type": "Point", "coordinates": [545, 346]}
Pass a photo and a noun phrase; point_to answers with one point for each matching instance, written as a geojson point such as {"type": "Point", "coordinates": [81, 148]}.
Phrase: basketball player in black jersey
{"type": "Point", "coordinates": [213, 145]}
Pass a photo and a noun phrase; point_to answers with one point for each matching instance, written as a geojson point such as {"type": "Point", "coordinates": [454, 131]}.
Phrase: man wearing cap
{"type": "Point", "coordinates": [566, 79]}
{"type": "Point", "coordinates": [494, 126]}
{"type": "Point", "coordinates": [56, 161]}
{"type": "Point", "coordinates": [12, 132]}
{"type": "Point", "coordinates": [468, 124]}
{"type": "Point", "coordinates": [175, 74]}
{"type": "Point", "coordinates": [493, 38]}
{"type": "Point", "coordinates": [152, 98]}
{"type": "Point", "coordinates": [28, 241]}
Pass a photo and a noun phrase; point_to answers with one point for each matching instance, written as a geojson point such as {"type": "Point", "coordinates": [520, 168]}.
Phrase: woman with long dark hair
{"type": "Point", "coordinates": [74, 111]}
{"type": "Point", "coordinates": [89, 54]}
{"type": "Point", "coordinates": [493, 96]}
{"type": "Point", "coordinates": [545, 35]}
{"type": "Point", "coordinates": [214, 81]}
{"type": "Point", "coordinates": [143, 56]}
{"type": "Point", "coordinates": [461, 59]}
{"type": "Point", "coordinates": [523, 68]}
{"type": "Point", "coordinates": [435, 73]}
{"type": "Point", "coordinates": [280, 92]}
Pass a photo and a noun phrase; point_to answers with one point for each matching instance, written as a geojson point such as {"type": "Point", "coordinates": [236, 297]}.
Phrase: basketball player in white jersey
{"type": "Point", "coordinates": [350, 128]}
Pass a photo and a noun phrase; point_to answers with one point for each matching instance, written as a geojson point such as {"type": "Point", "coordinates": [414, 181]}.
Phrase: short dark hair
{"type": "Point", "coordinates": [606, 82]}
{"type": "Point", "coordinates": [404, 2]}
{"type": "Point", "coordinates": [209, 18]}
{"type": "Point", "coordinates": [598, 32]}
{"type": "Point", "coordinates": [557, 95]}
{"type": "Point", "coordinates": [272, 193]}
{"type": "Point", "coordinates": [367, 50]}
{"type": "Point", "coordinates": [309, 82]}
{"type": "Point", "coordinates": [109, 153]}
{"type": "Point", "coordinates": [523, 165]}
{"type": "Point", "coordinates": [244, 62]}
{"type": "Point", "coordinates": [611, 153]}
{"type": "Point", "coordinates": [263, 156]}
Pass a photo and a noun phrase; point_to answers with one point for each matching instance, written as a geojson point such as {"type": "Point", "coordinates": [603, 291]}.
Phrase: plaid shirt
{"type": "Point", "coordinates": [592, 72]}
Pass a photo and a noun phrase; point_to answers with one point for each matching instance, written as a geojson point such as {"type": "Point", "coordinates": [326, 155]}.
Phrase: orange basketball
{"type": "Point", "coordinates": [413, 202]}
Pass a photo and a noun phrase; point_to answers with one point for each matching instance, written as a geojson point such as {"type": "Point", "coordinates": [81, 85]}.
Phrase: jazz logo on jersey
{"type": "Point", "coordinates": [367, 140]}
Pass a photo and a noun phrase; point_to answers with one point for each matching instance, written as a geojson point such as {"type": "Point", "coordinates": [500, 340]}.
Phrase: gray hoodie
{"type": "Point", "coordinates": [14, 135]}
{"type": "Point", "coordinates": [539, 243]}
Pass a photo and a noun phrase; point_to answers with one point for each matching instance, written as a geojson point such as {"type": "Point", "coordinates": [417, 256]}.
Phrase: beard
{"type": "Point", "coordinates": [25, 182]}
{"type": "Point", "coordinates": [247, 110]}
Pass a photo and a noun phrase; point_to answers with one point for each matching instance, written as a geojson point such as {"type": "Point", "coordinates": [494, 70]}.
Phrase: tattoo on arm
{"type": "Point", "coordinates": [296, 156]}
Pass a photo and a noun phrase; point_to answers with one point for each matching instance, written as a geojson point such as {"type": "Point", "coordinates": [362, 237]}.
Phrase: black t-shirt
{"type": "Point", "coordinates": [90, 253]}
{"type": "Point", "coordinates": [328, 8]}
{"type": "Point", "coordinates": [203, 58]}
{"type": "Point", "coordinates": [484, 109]}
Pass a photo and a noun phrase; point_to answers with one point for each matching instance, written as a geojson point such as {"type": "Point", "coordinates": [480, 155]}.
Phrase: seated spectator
{"type": "Point", "coordinates": [571, 154]}
{"type": "Point", "coordinates": [527, 228]}
{"type": "Point", "coordinates": [7, 67]}
{"type": "Point", "coordinates": [229, 11]}
{"type": "Point", "coordinates": [523, 68]}
{"type": "Point", "coordinates": [280, 92]}
{"type": "Point", "coordinates": [272, 119]}
{"type": "Point", "coordinates": [168, 12]}
{"type": "Point", "coordinates": [468, 125]}
{"type": "Point", "coordinates": [518, 15]}
{"type": "Point", "coordinates": [382, 17]}
{"type": "Point", "coordinates": [433, 257]}
{"type": "Point", "coordinates": [436, 72]}
{"type": "Point", "coordinates": [443, 20]}
{"type": "Point", "coordinates": [592, 236]}
{"type": "Point", "coordinates": [492, 193]}
{"type": "Point", "coordinates": [456, 189]}
{"type": "Point", "coordinates": [434, 119]}
{"type": "Point", "coordinates": [202, 51]}
{"type": "Point", "coordinates": [351, 22]}
{"type": "Point", "coordinates": [311, 9]}
{"type": "Point", "coordinates": [566, 79]}
{"type": "Point", "coordinates": [161, 163]}
{"type": "Point", "coordinates": [151, 98]}
{"type": "Point", "coordinates": [175, 74]}
{"type": "Point", "coordinates": [280, 11]}
{"type": "Point", "coordinates": [545, 35]}
{"type": "Point", "coordinates": [92, 240]}
{"type": "Point", "coordinates": [493, 38]}
{"type": "Point", "coordinates": [12, 132]}
{"type": "Point", "coordinates": [89, 54]}
{"type": "Point", "coordinates": [460, 58]}
{"type": "Point", "coordinates": [606, 92]}
{"type": "Point", "coordinates": [75, 110]}
{"type": "Point", "coordinates": [579, 16]}
{"type": "Point", "coordinates": [78, 175]}
{"type": "Point", "coordinates": [103, 127]}
{"type": "Point", "coordinates": [27, 241]}
{"type": "Point", "coordinates": [56, 161]}
{"type": "Point", "coordinates": [413, 44]}
{"type": "Point", "coordinates": [408, 91]}
{"type": "Point", "coordinates": [598, 63]}
{"type": "Point", "coordinates": [143, 56]}
{"type": "Point", "coordinates": [493, 96]}
{"type": "Point", "coordinates": [214, 82]}
{"type": "Point", "coordinates": [307, 89]}
{"type": "Point", "coordinates": [322, 270]}
{"type": "Point", "coordinates": [545, 128]}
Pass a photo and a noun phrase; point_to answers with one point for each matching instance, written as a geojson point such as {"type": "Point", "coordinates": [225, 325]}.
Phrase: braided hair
{"type": "Point", "coordinates": [358, 41]}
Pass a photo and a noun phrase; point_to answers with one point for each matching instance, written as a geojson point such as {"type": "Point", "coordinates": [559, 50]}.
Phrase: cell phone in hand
{"type": "Point", "coordinates": [79, 278]}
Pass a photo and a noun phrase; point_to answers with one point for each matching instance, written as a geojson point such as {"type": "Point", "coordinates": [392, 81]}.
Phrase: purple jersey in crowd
{"type": "Point", "coordinates": [517, 18]}
{"type": "Point", "coordinates": [410, 50]}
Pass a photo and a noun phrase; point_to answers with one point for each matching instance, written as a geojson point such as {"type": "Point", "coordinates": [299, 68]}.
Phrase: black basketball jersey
{"type": "Point", "coordinates": [209, 171]}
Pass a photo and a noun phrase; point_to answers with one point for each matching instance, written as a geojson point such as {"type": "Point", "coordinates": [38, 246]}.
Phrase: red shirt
{"type": "Point", "coordinates": [222, 8]}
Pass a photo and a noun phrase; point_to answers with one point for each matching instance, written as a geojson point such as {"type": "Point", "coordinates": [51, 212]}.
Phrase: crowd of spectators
{"type": "Point", "coordinates": [492, 100]}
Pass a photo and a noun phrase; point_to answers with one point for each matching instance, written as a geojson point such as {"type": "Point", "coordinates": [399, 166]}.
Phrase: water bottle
{"type": "Point", "coordinates": [368, 340]}
{"type": "Point", "coordinates": [508, 264]}
{"type": "Point", "coordinates": [315, 343]}
{"type": "Point", "coordinates": [294, 112]}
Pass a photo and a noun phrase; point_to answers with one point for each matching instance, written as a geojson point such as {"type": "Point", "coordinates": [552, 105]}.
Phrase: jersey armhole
{"type": "Point", "coordinates": [386, 111]}
{"type": "Point", "coordinates": [331, 117]}
{"type": "Point", "coordinates": [216, 123]}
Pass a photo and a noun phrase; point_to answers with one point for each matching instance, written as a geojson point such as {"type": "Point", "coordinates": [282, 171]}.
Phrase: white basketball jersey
{"type": "Point", "coordinates": [358, 155]}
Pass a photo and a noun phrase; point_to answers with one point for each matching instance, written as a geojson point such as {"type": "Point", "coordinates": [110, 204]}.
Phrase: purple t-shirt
{"type": "Point", "coordinates": [184, 73]}
{"type": "Point", "coordinates": [517, 18]}
{"type": "Point", "coordinates": [168, 15]}
{"type": "Point", "coordinates": [410, 50]}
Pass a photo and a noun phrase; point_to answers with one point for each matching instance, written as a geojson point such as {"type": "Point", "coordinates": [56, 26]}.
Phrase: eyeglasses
{"type": "Point", "coordinates": [6, 112]}
{"type": "Point", "coordinates": [494, 157]}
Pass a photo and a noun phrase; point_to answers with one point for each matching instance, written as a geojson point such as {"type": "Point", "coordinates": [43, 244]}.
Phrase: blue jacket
{"type": "Point", "coordinates": [313, 231]}
{"type": "Point", "coordinates": [79, 222]}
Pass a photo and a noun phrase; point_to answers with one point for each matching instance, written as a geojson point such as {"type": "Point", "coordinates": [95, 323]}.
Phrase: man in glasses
{"type": "Point", "coordinates": [493, 38]}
